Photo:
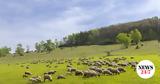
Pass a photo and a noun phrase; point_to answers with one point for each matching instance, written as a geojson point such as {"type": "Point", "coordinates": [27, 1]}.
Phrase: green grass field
{"type": "Point", "coordinates": [11, 70]}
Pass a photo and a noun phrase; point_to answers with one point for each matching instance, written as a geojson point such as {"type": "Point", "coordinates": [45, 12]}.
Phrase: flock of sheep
{"type": "Point", "coordinates": [100, 67]}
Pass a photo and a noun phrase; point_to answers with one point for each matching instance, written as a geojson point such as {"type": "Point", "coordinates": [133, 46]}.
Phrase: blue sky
{"type": "Point", "coordinates": [30, 21]}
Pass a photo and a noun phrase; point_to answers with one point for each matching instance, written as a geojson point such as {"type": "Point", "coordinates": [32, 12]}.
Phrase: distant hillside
{"type": "Point", "coordinates": [150, 29]}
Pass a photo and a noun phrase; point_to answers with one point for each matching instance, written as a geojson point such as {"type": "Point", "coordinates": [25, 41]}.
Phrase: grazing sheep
{"type": "Point", "coordinates": [113, 64]}
{"type": "Point", "coordinates": [96, 69]}
{"type": "Point", "coordinates": [107, 72]}
{"type": "Point", "coordinates": [134, 68]}
{"type": "Point", "coordinates": [47, 77]}
{"type": "Point", "coordinates": [25, 76]}
{"type": "Point", "coordinates": [123, 64]}
{"type": "Point", "coordinates": [137, 47]}
{"type": "Point", "coordinates": [90, 73]}
{"type": "Point", "coordinates": [27, 73]}
{"type": "Point", "coordinates": [48, 65]}
{"type": "Point", "coordinates": [27, 67]}
{"type": "Point", "coordinates": [79, 73]}
{"type": "Point", "coordinates": [121, 69]}
{"type": "Point", "coordinates": [114, 71]}
{"type": "Point", "coordinates": [51, 72]}
{"type": "Point", "coordinates": [61, 77]}
{"type": "Point", "coordinates": [133, 64]}
{"type": "Point", "coordinates": [98, 64]}
{"type": "Point", "coordinates": [123, 58]}
{"type": "Point", "coordinates": [36, 79]}
{"type": "Point", "coordinates": [71, 69]}
{"type": "Point", "coordinates": [69, 66]}
{"type": "Point", "coordinates": [131, 57]}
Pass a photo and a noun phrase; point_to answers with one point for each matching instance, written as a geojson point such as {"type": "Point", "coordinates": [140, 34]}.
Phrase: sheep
{"type": "Point", "coordinates": [36, 79]}
{"type": "Point", "coordinates": [33, 80]}
{"type": "Point", "coordinates": [71, 69]}
{"type": "Point", "coordinates": [96, 69]}
{"type": "Point", "coordinates": [27, 73]}
{"type": "Point", "coordinates": [133, 64]}
{"type": "Point", "coordinates": [25, 76]}
{"type": "Point", "coordinates": [48, 66]}
{"type": "Point", "coordinates": [114, 71]}
{"type": "Point", "coordinates": [27, 67]}
{"type": "Point", "coordinates": [51, 72]}
{"type": "Point", "coordinates": [121, 69]}
{"type": "Point", "coordinates": [131, 57]}
{"type": "Point", "coordinates": [113, 64]}
{"type": "Point", "coordinates": [98, 64]}
{"type": "Point", "coordinates": [90, 73]}
{"type": "Point", "coordinates": [123, 58]}
{"type": "Point", "coordinates": [123, 64]}
{"type": "Point", "coordinates": [61, 77]}
{"type": "Point", "coordinates": [107, 63]}
{"type": "Point", "coordinates": [92, 67]}
{"type": "Point", "coordinates": [107, 72]}
{"type": "Point", "coordinates": [79, 73]}
{"type": "Point", "coordinates": [69, 66]}
{"type": "Point", "coordinates": [47, 77]}
{"type": "Point", "coordinates": [116, 60]}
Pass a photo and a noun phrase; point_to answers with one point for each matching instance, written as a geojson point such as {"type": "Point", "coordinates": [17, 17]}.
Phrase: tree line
{"type": "Point", "coordinates": [40, 47]}
{"type": "Point", "coordinates": [149, 28]}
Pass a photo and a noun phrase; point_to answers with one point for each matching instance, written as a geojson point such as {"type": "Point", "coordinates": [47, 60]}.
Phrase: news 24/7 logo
{"type": "Point", "coordinates": [145, 69]}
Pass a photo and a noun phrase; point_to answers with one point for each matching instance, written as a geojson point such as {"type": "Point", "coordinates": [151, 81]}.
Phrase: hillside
{"type": "Point", "coordinates": [150, 29]}
{"type": "Point", "coordinates": [149, 48]}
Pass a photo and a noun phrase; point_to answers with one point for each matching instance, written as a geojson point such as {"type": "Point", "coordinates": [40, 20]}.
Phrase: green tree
{"type": "Point", "coordinates": [93, 34]}
{"type": "Point", "coordinates": [37, 47]}
{"type": "Point", "coordinates": [4, 51]}
{"type": "Point", "coordinates": [40, 47]}
{"type": "Point", "coordinates": [19, 50]}
{"type": "Point", "coordinates": [136, 36]}
{"type": "Point", "coordinates": [50, 46]}
{"type": "Point", "coordinates": [71, 39]}
{"type": "Point", "coordinates": [124, 39]}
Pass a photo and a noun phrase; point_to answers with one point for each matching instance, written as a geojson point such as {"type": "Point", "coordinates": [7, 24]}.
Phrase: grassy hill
{"type": "Point", "coordinates": [12, 68]}
{"type": "Point", "coordinates": [149, 48]}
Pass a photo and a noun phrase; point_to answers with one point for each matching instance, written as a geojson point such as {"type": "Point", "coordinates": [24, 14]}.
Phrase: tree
{"type": "Point", "coordinates": [20, 50]}
{"type": "Point", "coordinates": [136, 36]}
{"type": "Point", "coordinates": [93, 34]}
{"type": "Point", "coordinates": [37, 47]}
{"type": "Point", "coordinates": [50, 46]}
{"type": "Point", "coordinates": [40, 47]}
{"type": "Point", "coordinates": [124, 39]}
{"type": "Point", "coordinates": [4, 51]}
{"type": "Point", "coordinates": [71, 39]}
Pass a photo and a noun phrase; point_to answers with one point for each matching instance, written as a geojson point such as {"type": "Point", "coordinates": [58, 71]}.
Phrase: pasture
{"type": "Point", "coordinates": [12, 68]}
